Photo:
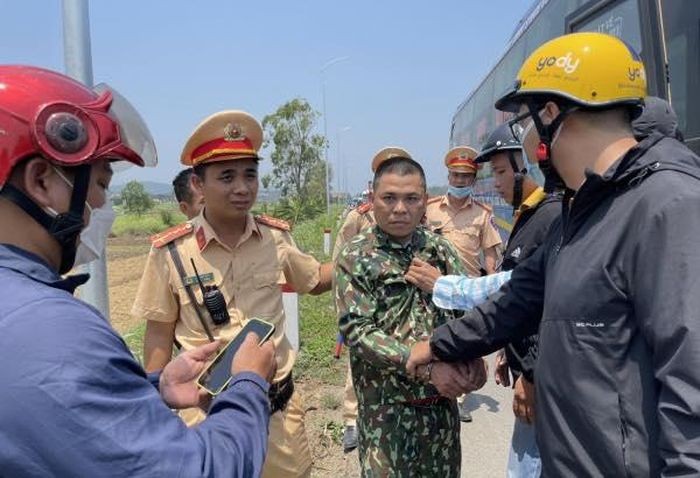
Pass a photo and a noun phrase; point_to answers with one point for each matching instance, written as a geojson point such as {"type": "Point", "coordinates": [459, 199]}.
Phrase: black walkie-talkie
{"type": "Point", "coordinates": [213, 301]}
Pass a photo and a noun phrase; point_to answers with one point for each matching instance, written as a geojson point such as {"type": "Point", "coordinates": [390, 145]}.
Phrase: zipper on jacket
{"type": "Point", "coordinates": [643, 174]}
{"type": "Point", "coordinates": [623, 434]}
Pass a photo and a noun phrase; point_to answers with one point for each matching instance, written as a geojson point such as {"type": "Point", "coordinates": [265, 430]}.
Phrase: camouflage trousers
{"type": "Point", "coordinates": [409, 441]}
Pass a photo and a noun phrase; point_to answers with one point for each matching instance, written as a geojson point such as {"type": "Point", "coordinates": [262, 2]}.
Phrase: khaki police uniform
{"type": "Point", "coordinates": [470, 227]}
{"type": "Point", "coordinates": [249, 276]}
{"type": "Point", "coordinates": [360, 218]}
{"type": "Point", "coordinates": [357, 220]}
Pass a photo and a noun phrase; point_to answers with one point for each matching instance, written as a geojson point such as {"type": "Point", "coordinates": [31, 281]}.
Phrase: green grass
{"type": "Point", "coordinates": [134, 340]}
{"type": "Point", "coordinates": [333, 433]}
{"type": "Point", "coordinates": [331, 401]}
{"type": "Point", "coordinates": [318, 324]}
{"type": "Point", "coordinates": [161, 217]}
{"type": "Point", "coordinates": [318, 327]}
{"type": "Point", "coordinates": [317, 335]}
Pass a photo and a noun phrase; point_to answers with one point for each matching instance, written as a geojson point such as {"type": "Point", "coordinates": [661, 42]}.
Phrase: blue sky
{"type": "Point", "coordinates": [410, 64]}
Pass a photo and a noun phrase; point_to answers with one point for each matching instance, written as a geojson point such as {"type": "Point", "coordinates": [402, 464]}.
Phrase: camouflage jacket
{"type": "Point", "coordinates": [381, 315]}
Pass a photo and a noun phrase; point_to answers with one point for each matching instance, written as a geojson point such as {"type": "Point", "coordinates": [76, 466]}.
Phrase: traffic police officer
{"type": "Point", "coordinates": [465, 222]}
{"type": "Point", "coordinates": [461, 219]}
{"type": "Point", "coordinates": [241, 255]}
{"type": "Point", "coordinates": [357, 220]}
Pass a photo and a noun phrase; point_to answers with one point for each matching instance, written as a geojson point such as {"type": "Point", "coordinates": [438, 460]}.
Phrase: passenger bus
{"type": "Point", "coordinates": [665, 32]}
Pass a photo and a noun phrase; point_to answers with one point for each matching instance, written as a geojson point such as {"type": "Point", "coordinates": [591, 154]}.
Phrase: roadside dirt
{"type": "Point", "coordinates": [126, 260]}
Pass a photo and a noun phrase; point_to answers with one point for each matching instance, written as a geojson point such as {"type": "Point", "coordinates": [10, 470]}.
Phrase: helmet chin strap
{"type": "Point", "coordinates": [65, 228]}
{"type": "Point", "coordinates": [552, 180]}
{"type": "Point", "coordinates": [518, 182]}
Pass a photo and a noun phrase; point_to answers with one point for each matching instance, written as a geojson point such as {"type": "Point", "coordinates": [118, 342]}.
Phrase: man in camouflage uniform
{"type": "Point", "coordinates": [408, 426]}
{"type": "Point", "coordinates": [357, 220]}
{"type": "Point", "coordinates": [362, 217]}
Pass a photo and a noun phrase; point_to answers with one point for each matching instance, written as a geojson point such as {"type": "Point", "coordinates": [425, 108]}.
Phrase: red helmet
{"type": "Point", "coordinates": [48, 114]}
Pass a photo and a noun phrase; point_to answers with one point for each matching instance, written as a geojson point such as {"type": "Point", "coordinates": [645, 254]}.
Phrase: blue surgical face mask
{"type": "Point", "coordinates": [460, 193]}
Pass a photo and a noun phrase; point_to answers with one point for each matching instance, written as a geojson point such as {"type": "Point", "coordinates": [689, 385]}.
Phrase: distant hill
{"type": "Point", "coordinates": [152, 187]}
{"type": "Point", "coordinates": [162, 190]}
{"type": "Point", "coordinates": [437, 190]}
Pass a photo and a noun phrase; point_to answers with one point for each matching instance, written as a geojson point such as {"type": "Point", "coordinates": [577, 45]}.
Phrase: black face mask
{"type": "Point", "coordinates": [65, 228]}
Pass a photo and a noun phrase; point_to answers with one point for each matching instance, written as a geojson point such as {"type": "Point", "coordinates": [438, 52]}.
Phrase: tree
{"type": "Point", "coordinates": [135, 198]}
{"type": "Point", "coordinates": [298, 168]}
{"type": "Point", "coordinates": [295, 209]}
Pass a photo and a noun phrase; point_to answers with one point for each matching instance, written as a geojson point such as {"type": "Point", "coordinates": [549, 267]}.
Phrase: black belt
{"type": "Point", "coordinates": [427, 402]}
{"type": "Point", "coordinates": [280, 393]}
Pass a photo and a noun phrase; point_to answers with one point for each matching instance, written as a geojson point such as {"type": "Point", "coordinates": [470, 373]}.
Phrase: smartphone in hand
{"type": "Point", "coordinates": [217, 376]}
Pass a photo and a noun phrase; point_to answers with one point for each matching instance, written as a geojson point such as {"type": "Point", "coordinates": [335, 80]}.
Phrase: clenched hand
{"type": "Point", "coordinates": [422, 275]}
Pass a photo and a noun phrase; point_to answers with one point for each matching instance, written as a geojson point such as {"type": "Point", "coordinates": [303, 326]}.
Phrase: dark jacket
{"type": "Point", "coordinates": [528, 234]}
{"type": "Point", "coordinates": [617, 284]}
{"type": "Point", "coordinates": [75, 402]}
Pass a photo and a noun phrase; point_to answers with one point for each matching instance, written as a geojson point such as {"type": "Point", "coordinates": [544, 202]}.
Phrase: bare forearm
{"type": "Point", "coordinates": [325, 273]}
{"type": "Point", "coordinates": [490, 260]}
{"type": "Point", "coordinates": [158, 345]}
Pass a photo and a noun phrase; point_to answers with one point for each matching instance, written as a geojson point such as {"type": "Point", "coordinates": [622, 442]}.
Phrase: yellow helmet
{"type": "Point", "coordinates": [589, 69]}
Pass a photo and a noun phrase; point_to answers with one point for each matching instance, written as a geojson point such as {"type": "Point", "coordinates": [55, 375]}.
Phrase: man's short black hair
{"type": "Point", "coordinates": [181, 186]}
{"type": "Point", "coordinates": [199, 170]}
{"type": "Point", "coordinates": [400, 166]}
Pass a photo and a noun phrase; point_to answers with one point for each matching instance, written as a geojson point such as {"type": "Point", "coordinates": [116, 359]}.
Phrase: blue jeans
{"type": "Point", "coordinates": [524, 457]}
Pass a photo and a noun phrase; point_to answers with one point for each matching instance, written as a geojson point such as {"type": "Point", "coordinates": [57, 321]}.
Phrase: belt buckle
{"type": "Point", "coordinates": [424, 402]}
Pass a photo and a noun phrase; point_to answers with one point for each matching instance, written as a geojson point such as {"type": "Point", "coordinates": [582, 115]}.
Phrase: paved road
{"type": "Point", "coordinates": [485, 440]}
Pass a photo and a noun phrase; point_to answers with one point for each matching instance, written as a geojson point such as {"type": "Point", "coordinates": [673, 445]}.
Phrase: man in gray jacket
{"type": "Point", "coordinates": [616, 281]}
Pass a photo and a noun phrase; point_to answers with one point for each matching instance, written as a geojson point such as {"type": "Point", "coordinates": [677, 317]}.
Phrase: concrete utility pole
{"type": "Point", "coordinates": [78, 63]}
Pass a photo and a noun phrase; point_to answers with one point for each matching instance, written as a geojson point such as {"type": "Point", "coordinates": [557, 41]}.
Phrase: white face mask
{"type": "Point", "coordinates": [526, 131]}
{"type": "Point", "coordinates": [93, 238]}
{"type": "Point", "coordinates": [523, 136]}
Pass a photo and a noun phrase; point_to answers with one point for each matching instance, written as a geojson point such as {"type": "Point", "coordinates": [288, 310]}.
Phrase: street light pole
{"type": "Point", "coordinates": [339, 154]}
{"type": "Point", "coordinates": [77, 57]}
{"type": "Point", "coordinates": [328, 64]}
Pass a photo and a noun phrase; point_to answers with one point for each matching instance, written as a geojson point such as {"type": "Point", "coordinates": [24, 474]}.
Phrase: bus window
{"type": "Point", "coordinates": [681, 21]}
{"type": "Point", "coordinates": [620, 19]}
{"type": "Point", "coordinates": [462, 122]}
{"type": "Point", "coordinates": [483, 111]}
{"type": "Point", "coordinates": [507, 69]}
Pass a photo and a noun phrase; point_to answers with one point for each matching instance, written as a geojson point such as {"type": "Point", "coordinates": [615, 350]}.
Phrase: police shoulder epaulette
{"type": "Point", "coordinates": [273, 222]}
{"type": "Point", "coordinates": [364, 208]}
{"type": "Point", "coordinates": [435, 199]}
{"type": "Point", "coordinates": [488, 208]}
{"type": "Point", "coordinates": [169, 235]}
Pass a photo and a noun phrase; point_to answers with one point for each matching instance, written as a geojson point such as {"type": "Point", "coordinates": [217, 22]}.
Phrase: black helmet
{"type": "Point", "coordinates": [500, 139]}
